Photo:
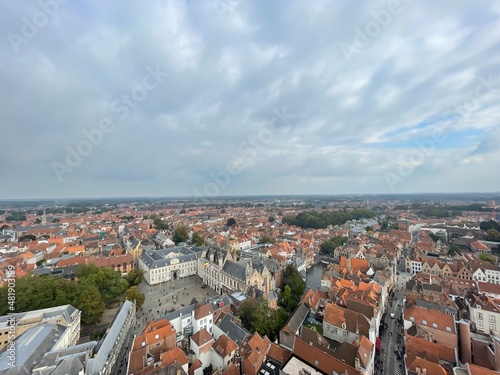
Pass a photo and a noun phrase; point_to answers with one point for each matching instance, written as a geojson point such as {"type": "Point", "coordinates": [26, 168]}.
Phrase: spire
{"type": "Point", "coordinates": [44, 218]}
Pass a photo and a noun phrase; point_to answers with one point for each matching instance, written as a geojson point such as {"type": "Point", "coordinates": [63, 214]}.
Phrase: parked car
{"type": "Point", "coordinates": [392, 315]}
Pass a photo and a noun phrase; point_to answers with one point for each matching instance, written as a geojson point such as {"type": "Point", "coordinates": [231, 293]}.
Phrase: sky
{"type": "Point", "coordinates": [248, 97]}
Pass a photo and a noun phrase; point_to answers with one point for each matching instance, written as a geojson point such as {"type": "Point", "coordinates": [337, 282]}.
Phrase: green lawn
{"type": "Point", "coordinates": [318, 328]}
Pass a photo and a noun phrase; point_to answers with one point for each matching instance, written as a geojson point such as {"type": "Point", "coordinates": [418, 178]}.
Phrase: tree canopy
{"type": "Point", "coordinates": [259, 317]}
{"type": "Point", "coordinates": [493, 235]}
{"type": "Point", "coordinates": [180, 234]}
{"type": "Point", "coordinates": [294, 282]}
{"type": "Point", "coordinates": [197, 239]}
{"type": "Point", "coordinates": [487, 257]}
{"type": "Point", "coordinates": [328, 246]}
{"type": "Point", "coordinates": [319, 220]}
{"type": "Point", "coordinates": [135, 277]}
{"type": "Point", "coordinates": [134, 294]}
{"type": "Point", "coordinates": [487, 225]}
{"type": "Point", "coordinates": [95, 287]}
{"type": "Point", "coordinates": [231, 222]}
{"type": "Point", "coordinates": [265, 239]}
{"type": "Point", "coordinates": [454, 249]}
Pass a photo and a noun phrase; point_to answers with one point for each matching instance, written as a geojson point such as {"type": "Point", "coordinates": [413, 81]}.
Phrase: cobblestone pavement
{"type": "Point", "coordinates": [160, 299]}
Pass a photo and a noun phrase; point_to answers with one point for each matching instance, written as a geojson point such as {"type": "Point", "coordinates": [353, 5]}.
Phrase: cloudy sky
{"type": "Point", "coordinates": [225, 97]}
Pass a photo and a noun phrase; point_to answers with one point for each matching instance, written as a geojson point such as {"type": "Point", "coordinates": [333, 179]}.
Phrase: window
{"type": "Point", "coordinates": [492, 319]}
{"type": "Point", "coordinates": [448, 329]}
{"type": "Point", "coordinates": [412, 318]}
{"type": "Point", "coordinates": [493, 327]}
{"type": "Point", "coordinates": [424, 322]}
{"type": "Point", "coordinates": [479, 324]}
{"type": "Point", "coordinates": [434, 325]}
{"type": "Point", "coordinates": [479, 316]}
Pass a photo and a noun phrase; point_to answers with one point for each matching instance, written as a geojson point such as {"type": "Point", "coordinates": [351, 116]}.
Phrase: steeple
{"type": "Point", "coordinates": [44, 218]}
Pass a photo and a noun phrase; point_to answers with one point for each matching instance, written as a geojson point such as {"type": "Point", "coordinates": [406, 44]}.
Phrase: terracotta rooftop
{"type": "Point", "coordinates": [202, 337]}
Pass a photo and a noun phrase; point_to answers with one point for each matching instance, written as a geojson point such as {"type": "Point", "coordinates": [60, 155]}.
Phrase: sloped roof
{"type": "Point", "coordinates": [224, 345]}
{"type": "Point", "coordinates": [236, 270]}
{"type": "Point", "coordinates": [297, 318]}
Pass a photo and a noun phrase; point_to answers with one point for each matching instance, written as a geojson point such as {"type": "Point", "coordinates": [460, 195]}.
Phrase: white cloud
{"type": "Point", "coordinates": [352, 121]}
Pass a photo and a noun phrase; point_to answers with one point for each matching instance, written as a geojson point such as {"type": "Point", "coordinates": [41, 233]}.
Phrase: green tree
{"type": "Point", "coordinates": [180, 234]}
{"type": "Point", "coordinates": [328, 246]}
{"type": "Point", "coordinates": [91, 305]}
{"type": "Point", "coordinates": [271, 219]}
{"type": "Point", "coordinates": [197, 239]}
{"type": "Point", "coordinates": [487, 225]}
{"type": "Point", "coordinates": [135, 277]}
{"type": "Point", "coordinates": [487, 258]}
{"type": "Point", "coordinates": [287, 301]}
{"type": "Point", "coordinates": [109, 283]}
{"type": "Point", "coordinates": [134, 294]}
{"type": "Point", "coordinates": [266, 239]}
{"type": "Point", "coordinates": [297, 286]}
{"type": "Point", "coordinates": [454, 249]}
{"type": "Point", "coordinates": [493, 235]}
{"type": "Point", "coordinates": [259, 317]}
{"type": "Point", "coordinates": [231, 222]}
{"type": "Point", "coordinates": [160, 224]}
{"type": "Point", "coordinates": [67, 292]}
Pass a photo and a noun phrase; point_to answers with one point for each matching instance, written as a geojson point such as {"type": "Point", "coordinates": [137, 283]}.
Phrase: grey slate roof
{"type": "Point", "coordinates": [297, 317]}
{"type": "Point", "coordinates": [233, 330]}
{"type": "Point", "coordinates": [70, 366]}
{"type": "Point", "coordinates": [181, 312]}
{"type": "Point", "coordinates": [66, 310]}
{"type": "Point", "coordinates": [25, 229]}
{"type": "Point", "coordinates": [236, 270]}
{"type": "Point", "coordinates": [54, 361]}
{"type": "Point", "coordinates": [164, 257]}
{"type": "Point", "coordinates": [31, 346]}
{"type": "Point", "coordinates": [96, 364]}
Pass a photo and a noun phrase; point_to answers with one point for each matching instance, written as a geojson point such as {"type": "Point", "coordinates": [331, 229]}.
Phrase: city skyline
{"type": "Point", "coordinates": [236, 98]}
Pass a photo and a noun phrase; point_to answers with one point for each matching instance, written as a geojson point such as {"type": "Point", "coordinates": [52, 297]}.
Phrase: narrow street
{"type": "Point", "coordinates": [392, 352]}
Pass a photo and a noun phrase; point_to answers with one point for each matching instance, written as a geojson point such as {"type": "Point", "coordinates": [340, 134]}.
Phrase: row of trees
{"type": "Point", "coordinates": [259, 317]}
{"type": "Point", "coordinates": [328, 246]}
{"type": "Point", "coordinates": [492, 229]}
{"type": "Point", "coordinates": [95, 288]}
{"type": "Point", "coordinates": [318, 220]}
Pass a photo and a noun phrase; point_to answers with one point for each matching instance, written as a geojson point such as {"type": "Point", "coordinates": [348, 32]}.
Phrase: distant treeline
{"type": "Point", "coordinates": [319, 220]}
{"type": "Point", "coordinates": [442, 211]}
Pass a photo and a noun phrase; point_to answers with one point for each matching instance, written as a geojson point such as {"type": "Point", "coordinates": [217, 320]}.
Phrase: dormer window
{"type": "Point", "coordinates": [424, 322]}
{"type": "Point", "coordinates": [343, 325]}
{"type": "Point", "coordinates": [478, 307]}
{"type": "Point", "coordinates": [434, 325]}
